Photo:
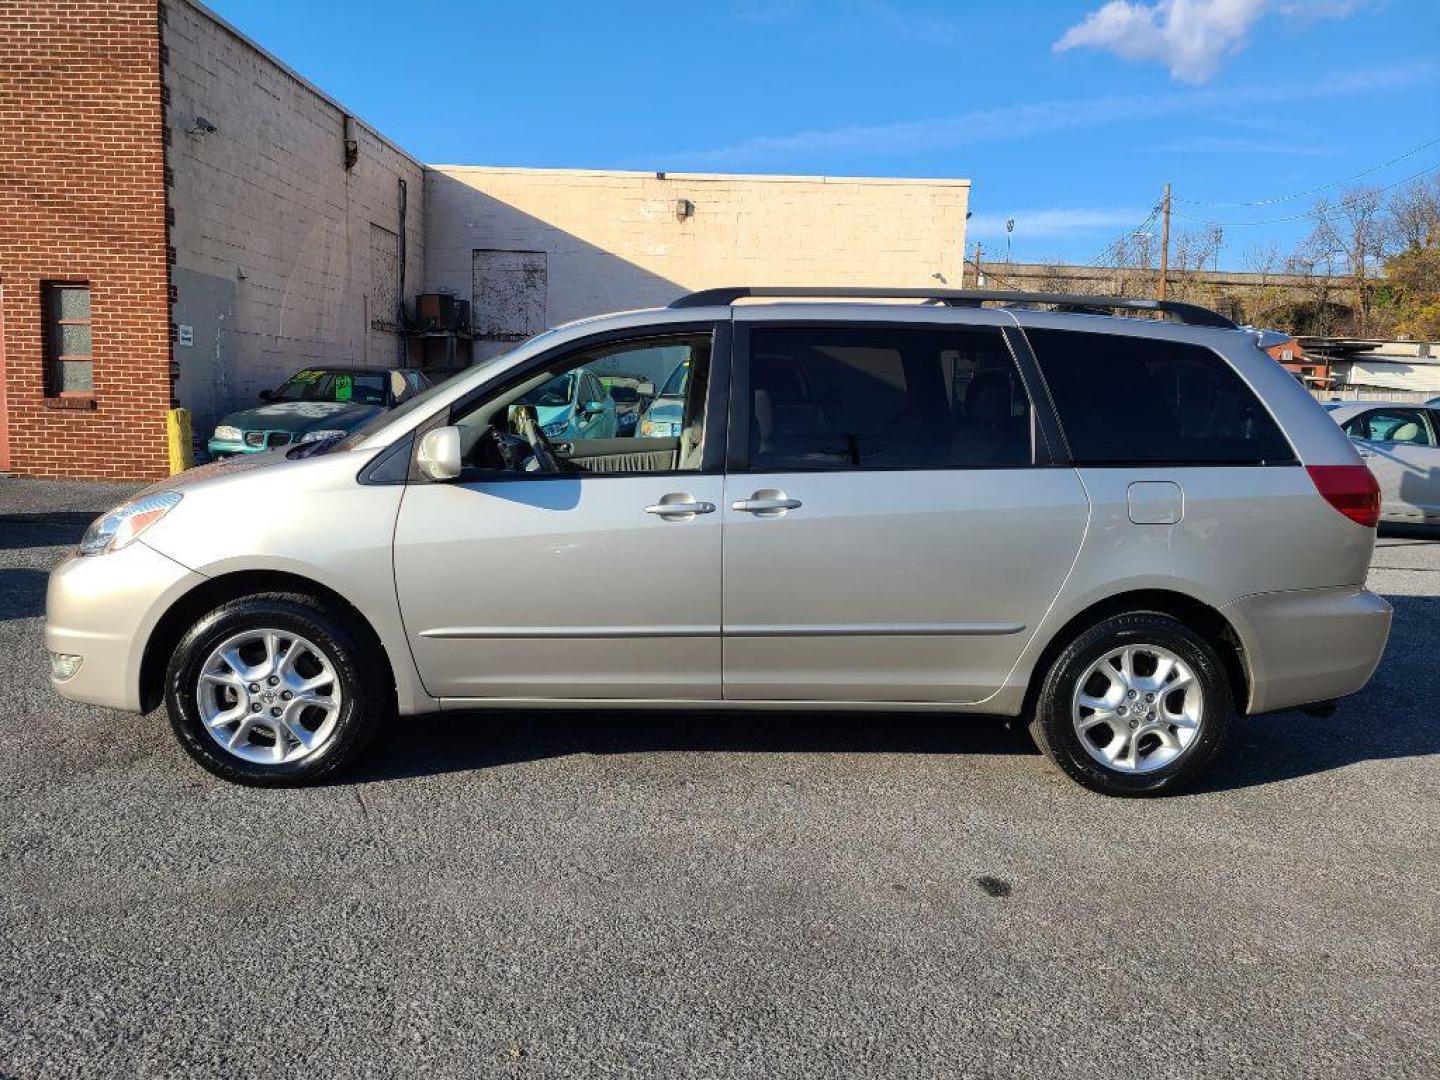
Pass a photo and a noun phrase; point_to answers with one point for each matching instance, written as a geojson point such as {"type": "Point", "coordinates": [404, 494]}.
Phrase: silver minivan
{"type": "Point", "coordinates": [1125, 530]}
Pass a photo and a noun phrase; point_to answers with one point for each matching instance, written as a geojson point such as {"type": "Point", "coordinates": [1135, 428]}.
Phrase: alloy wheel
{"type": "Point", "coordinates": [1138, 708]}
{"type": "Point", "coordinates": [269, 696]}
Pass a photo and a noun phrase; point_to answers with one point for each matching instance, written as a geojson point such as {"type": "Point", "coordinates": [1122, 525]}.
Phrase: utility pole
{"type": "Point", "coordinates": [1164, 244]}
{"type": "Point", "coordinates": [979, 273]}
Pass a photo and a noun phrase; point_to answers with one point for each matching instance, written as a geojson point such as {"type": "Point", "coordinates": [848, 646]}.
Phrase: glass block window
{"type": "Point", "coordinates": [67, 338]}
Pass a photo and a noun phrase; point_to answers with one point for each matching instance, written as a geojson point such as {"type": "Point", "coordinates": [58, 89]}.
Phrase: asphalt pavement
{"type": "Point", "coordinates": [563, 895]}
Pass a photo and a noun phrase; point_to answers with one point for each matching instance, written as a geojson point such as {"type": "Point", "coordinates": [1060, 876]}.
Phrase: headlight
{"type": "Point", "coordinates": [126, 522]}
{"type": "Point", "coordinates": [316, 436]}
{"type": "Point", "coordinates": [554, 431]}
{"type": "Point", "coordinates": [228, 433]}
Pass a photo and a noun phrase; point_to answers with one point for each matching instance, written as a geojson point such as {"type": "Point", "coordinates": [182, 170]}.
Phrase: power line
{"type": "Point", "coordinates": [1307, 213]}
{"type": "Point", "coordinates": [1110, 252]}
{"type": "Point", "coordinates": [1311, 191]}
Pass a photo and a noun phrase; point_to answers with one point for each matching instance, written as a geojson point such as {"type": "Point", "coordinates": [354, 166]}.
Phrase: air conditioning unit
{"type": "Point", "coordinates": [441, 311]}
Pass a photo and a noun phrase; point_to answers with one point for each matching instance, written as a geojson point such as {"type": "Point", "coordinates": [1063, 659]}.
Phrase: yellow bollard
{"type": "Point", "coordinates": [178, 436]}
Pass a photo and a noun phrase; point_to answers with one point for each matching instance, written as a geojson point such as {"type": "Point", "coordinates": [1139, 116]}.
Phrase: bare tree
{"type": "Point", "coordinates": [1411, 291]}
{"type": "Point", "coordinates": [1414, 213]}
{"type": "Point", "coordinates": [1350, 235]}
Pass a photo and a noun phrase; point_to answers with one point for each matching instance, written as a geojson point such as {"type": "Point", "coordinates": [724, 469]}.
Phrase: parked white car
{"type": "Point", "coordinates": [1400, 441]}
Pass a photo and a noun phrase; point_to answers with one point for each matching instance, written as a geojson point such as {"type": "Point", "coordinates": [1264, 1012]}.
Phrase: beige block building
{"type": "Point", "coordinates": [535, 247]}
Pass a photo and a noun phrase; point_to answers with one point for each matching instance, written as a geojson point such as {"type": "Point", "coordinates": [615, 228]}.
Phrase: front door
{"type": "Point", "coordinates": [887, 534]}
{"type": "Point", "coordinates": [596, 576]}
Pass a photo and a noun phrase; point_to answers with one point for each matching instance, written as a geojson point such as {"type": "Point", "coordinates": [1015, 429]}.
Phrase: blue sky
{"type": "Point", "coordinates": [1068, 115]}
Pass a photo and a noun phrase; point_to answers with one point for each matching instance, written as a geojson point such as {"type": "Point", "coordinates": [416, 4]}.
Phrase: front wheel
{"type": "Point", "coordinates": [1136, 705]}
{"type": "Point", "coordinates": [274, 690]}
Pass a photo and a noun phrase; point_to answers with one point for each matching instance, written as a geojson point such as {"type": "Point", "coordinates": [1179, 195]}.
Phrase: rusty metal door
{"type": "Point", "coordinates": [382, 346]}
{"type": "Point", "coordinates": [509, 297]}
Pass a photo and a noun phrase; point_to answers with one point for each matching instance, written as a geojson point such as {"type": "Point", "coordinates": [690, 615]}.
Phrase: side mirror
{"type": "Point", "coordinates": [439, 455]}
{"type": "Point", "coordinates": [266, 395]}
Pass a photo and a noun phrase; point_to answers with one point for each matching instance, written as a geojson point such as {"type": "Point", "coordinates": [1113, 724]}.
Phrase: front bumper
{"type": "Point", "coordinates": [102, 608]}
{"type": "Point", "coordinates": [1309, 645]}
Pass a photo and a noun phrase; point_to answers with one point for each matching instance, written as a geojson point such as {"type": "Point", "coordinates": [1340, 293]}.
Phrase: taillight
{"type": "Point", "coordinates": [1351, 489]}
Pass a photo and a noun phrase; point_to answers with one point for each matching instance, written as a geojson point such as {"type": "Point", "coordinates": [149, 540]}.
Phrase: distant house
{"type": "Point", "coordinates": [1371, 367]}
{"type": "Point", "coordinates": [1313, 371]}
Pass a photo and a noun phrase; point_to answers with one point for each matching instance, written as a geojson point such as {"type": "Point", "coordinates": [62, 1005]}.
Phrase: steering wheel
{"type": "Point", "coordinates": [527, 425]}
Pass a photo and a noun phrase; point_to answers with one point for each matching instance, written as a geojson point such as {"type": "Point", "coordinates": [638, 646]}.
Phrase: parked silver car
{"type": "Point", "coordinates": [1400, 441]}
{"type": "Point", "coordinates": [1125, 530]}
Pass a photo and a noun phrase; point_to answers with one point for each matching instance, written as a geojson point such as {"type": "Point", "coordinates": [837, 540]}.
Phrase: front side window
{"type": "Point", "coordinates": [1391, 425]}
{"type": "Point", "coordinates": [901, 398]}
{"type": "Point", "coordinates": [1136, 401]}
{"type": "Point", "coordinates": [570, 411]}
{"type": "Point", "coordinates": [68, 361]}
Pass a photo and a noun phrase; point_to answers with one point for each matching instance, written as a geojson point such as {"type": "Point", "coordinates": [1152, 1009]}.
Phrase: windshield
{"type": "Point", "coordinates": [555, 393]}
{"type": "Point", "coordinates": [379, 420]}
{"type": "Point", "coordinates": [675, 384]}
{"type": "Point", "coordinates": [364, 388]}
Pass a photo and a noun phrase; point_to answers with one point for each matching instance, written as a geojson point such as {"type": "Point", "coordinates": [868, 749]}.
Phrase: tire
{"type": "Point", "coordinates": [1153, 755]}
{"type": "Point", "coordinates": [324, 680]}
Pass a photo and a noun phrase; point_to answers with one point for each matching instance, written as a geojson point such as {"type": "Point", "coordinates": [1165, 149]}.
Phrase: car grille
{"type": "Point", "coordinates": [268, 440]}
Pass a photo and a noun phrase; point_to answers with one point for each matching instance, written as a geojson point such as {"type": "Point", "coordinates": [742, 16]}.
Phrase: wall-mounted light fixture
{"type": "Point", "coordinates": [684, 208]}
{"type": "Point", "coordinates": [201, 127]}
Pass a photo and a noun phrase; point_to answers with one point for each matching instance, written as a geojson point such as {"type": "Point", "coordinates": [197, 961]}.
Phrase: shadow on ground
{"type": "Point", "coordinates": [1260, 750]}
{"type": "Point", "coordinates": [22, 593]}
{"type": "Point", "coordinates": [59, 529]}
{"type": "Point", "coordinates": [452, 743]}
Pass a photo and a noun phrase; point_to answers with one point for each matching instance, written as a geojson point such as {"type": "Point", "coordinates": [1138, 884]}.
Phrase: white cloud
{"type": "Point", "coordinates": [1190, 37]}
{"type": "Point", "coordinates": [1054, 221]}
{"type": "Point", "coordinates": [1221, 144]}
{"type": "Point", "coordinates": [906, 137]}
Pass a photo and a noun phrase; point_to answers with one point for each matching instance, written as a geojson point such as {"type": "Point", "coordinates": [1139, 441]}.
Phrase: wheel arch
{"type": "Point", "coordinates": [212, 592]}
{"type": "Point", "coordinates": [1201, 617]}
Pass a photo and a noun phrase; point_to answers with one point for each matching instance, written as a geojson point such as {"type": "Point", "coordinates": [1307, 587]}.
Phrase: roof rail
{"type": "Point", "coordinates": [1189, 314]}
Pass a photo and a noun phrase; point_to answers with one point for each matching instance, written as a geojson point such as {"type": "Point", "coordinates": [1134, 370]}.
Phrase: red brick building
{"type": "Point", "coordinates": [84, 279]}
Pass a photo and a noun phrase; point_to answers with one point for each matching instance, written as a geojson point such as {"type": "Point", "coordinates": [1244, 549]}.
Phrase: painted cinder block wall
{"type": "Point", "coordinates": [618, 240]}
{"type": "Point", "coordinates": [82, 198]}
{"type": "Point", "coordinates": [284, 256]}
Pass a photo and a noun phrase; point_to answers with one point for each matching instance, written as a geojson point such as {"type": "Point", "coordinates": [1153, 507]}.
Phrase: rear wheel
{"type": "Point", "coordinates": [274, 690]}
{"type": "Point", "coordinates": [1136, 705]}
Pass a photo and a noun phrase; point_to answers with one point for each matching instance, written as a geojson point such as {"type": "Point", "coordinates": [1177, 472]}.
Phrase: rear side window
{"type": "Point", "coordinates": [1128, 400]}
{"type": "Point", "coordinates": [1391, 425]}
{"type": "Point", "coordinates": [864, 398]}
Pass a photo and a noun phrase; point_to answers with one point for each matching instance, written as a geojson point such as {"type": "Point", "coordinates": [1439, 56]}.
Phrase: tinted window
{"type": "Point", "coordinates": [1139, 400]}
{"type": "Point", "coordinates": [845, 398]}
{"type": "Point", "coordinates": [1390, 425]}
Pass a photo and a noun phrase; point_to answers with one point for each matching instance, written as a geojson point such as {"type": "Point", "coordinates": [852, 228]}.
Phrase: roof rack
{"type": "Point", "coordinates": [1189, 314]}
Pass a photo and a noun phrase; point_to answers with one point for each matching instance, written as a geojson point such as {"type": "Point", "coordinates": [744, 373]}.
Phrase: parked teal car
{"type": "Point", "coordinates": [572, 406]}
{"type": "Point", "coordinates": [314, 404]}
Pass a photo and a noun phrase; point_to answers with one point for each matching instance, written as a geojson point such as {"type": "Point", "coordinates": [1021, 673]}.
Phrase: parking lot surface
{"type": "Point", "coordinates": [714, 896]}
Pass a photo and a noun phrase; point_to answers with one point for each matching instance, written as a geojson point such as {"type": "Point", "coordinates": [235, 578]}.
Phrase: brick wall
{"type": "Point", "coordinates": [284, 256]}
{"type": "Point", "coordinates": [82, 197]}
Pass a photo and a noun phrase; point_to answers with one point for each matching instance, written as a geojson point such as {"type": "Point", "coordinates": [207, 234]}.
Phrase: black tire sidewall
{"type": "Point", "coordinates": [1055, 733]}
{"type": "Point", "coordinates": [362, 696]}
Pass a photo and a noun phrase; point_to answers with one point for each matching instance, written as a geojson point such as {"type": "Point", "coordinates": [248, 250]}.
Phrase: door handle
{"type": "Point", "coordinates": [679, 507]}
{"type": "Point", "coordinates": [766, 503]}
